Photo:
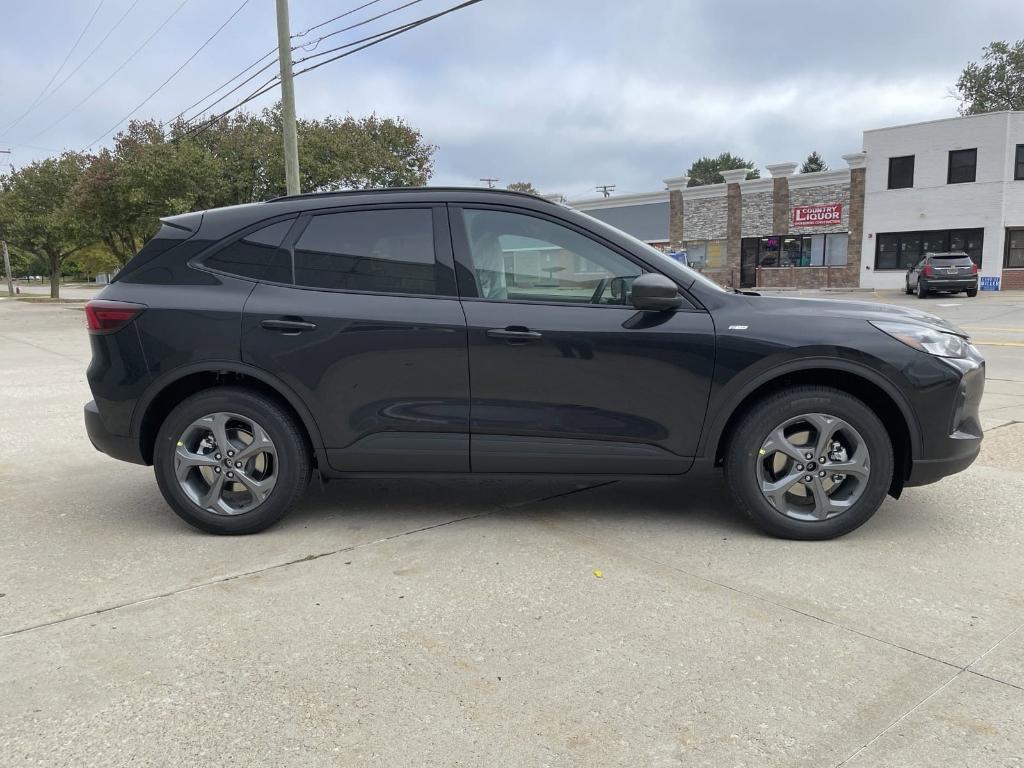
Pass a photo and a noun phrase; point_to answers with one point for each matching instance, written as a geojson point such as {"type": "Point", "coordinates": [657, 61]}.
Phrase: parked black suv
{"type": "Point", "coordinates": [947, 272]}
{"type": "Point", "coordinates": [450, 331]}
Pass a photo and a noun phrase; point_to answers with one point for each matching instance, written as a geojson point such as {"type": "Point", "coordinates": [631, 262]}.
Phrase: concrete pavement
{"type": "Point", "coordinates": [462, 623]}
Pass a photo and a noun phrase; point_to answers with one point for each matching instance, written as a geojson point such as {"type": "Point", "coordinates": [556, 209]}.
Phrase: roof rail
{"type": "Point", "coordinates": [385, 190]}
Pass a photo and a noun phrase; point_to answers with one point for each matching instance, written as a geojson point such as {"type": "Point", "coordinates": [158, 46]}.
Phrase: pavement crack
{"type": "Point", "coordinates": [296, 561]}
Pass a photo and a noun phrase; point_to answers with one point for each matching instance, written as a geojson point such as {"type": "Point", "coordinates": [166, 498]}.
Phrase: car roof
{"type": "Point", "coordinates": [218, 222]}
{"type": "Point", "coordinates": [959, 254]}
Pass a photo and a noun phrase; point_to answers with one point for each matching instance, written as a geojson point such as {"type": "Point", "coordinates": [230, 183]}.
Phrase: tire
{"type": "Point", "coordinates": [290, 462]}
{"type": "Point", "coordinates": [907, 289]}
{"type": "Point", "coordinates": [744, 461]}
{"type": "Point", "coordinates": [922, 291]}
{"type": "Point", "coordinates": [972, 292]}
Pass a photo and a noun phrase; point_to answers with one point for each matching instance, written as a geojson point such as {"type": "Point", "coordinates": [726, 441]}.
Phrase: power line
{"type": "Point", "coordinates": [320, 39]}
{"type": "Point", "coordinates": [374, 40]}
{"type": "Point", "coordinates": [53, 77]}
{"type": "Point", "coordinates": [173, 74]}
{"type": "Point", "coordinates": [110, 77]}
{"type": "Point", "coordinates": [340, 16]}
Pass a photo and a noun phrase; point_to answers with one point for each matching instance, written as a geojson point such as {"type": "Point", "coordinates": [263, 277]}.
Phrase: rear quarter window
{"type": "Point", "coordinates": [257, 255]}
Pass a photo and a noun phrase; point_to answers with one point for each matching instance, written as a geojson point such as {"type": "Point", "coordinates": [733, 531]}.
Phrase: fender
{"type": "Point", "coordinates": [713, 433]}
{"type": "Point", "coordinates": [158, 385]}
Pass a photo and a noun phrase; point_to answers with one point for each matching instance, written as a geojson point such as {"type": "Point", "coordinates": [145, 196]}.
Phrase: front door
{"type": "Point", "coordinates": [370, 335]}
{"type": "Point", "coordinates": [749, 249]}
{"type": "Point", "coordinates": [565, 375]}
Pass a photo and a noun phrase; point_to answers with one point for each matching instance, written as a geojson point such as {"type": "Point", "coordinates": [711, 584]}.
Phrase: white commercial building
{"type": "Point", "coordinates": [954, 184]}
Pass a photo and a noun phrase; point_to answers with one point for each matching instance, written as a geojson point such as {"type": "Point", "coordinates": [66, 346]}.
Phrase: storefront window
{"type": "Point", "coordinates": [835, 249]}
{"type": "Point", "coordinates": [768, 255]}
{"type": "Point", "coordinates": [803, 250]}
{"type": "Point", "coordinates": [901, 250]}
{"type": "Point", "coordinates": [791, 252]}
{"type": "Point", "coordinates": [716, 254]}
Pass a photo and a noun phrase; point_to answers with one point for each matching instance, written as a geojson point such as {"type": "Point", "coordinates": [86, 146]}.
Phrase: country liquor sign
{"type": "Point", "coordinates": [827, 215]}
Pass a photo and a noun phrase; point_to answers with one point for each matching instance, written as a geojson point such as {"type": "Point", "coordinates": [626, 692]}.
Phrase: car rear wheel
{"type": "Point", "coordinates": [972, 292]}
{"type": "Point", "coordinates": [231, 461]}
{"type": "Point", "coordinates": [922, 292]}
{"type": "Point", "coordinates": [809, 463]}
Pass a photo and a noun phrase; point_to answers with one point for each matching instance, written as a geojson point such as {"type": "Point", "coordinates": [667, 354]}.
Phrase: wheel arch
{"type": "Point", "coordinates": [856, 380]}
{"type": "Point", "coordinates": [167, 391]}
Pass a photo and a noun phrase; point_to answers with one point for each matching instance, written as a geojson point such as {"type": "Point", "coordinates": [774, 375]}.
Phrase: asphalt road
{"type": "Point", "coordinates": [438, 623]}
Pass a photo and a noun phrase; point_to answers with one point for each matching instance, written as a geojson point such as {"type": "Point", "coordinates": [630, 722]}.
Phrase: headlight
{"type": "Point", "coordinates": [930, 340]}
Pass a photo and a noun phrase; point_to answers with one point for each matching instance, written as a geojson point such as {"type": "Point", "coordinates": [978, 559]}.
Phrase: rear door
{"type": "Point", "coordinates": [367, 330]}
{"type": "Point", "coordinates": [566, 375]}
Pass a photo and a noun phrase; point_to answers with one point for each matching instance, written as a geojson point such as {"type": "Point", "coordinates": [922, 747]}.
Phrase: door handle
{"type": "Point", "coordinates": [513, 334]}
{"type": "Point", "coordinates": [288, 326]}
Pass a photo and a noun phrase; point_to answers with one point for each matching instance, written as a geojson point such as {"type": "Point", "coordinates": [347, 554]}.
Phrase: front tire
{"type": "Point", "coordinates": [906, 287]}
{"type": "Point", "coordinates": [774, 470]}
{"type": "Point", "coordinates": [231, 461]}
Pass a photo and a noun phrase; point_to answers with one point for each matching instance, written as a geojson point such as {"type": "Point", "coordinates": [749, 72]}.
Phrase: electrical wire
{"type": "Point", "coordinates": [111, 76]}
{"type": "Point", "coordinates": [374, 40]}
{"type": "Point", "coordinates": [223, 85]}
{"type": "Point", "coordinates": [340, 16]}
{"type": "Point", "coordinates": [315, 43]}
{"type": "Point", "coordinates": [171, 76]}
{"type": "Point", "coordinates": [53, 77]}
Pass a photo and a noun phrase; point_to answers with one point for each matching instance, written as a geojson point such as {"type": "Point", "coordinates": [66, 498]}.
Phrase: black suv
{"type": "Point", "coordinates": [947, 272]}
{"type": "Point", "coordinates": [440, 332]}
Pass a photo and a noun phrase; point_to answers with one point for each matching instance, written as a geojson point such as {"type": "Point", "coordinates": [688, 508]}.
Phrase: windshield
{"type": "Point", "coordinates": [682, 273]}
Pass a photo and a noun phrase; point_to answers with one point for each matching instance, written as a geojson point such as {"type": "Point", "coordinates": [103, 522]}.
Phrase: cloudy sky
{"type": "Point", "coordinates": [565, 93]}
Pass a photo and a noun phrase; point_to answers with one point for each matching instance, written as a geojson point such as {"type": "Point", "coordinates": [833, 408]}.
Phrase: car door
{"type": "Point", "coordinates": [368, 331]}
{"type": "Point", "coordinates": [566, 376]}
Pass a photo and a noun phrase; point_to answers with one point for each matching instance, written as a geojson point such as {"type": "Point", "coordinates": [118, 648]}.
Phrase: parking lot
{"type": "Point", "coordinates": [512, 623]}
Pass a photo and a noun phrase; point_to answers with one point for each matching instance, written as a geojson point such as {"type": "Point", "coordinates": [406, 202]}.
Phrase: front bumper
{"type": "Point", "coordinates": [960, 442]}
{"type": "Point", "coordinates": [115, 446]}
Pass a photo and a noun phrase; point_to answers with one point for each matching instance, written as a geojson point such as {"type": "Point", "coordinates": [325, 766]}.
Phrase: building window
{"type": "Point", "coordinates": [1018, 164]}
{"type": "Point", "coordinates": [803, 250]}
{"type": "Point", "coordinates": [1014, 258]}
{"type": "Point", "coordinates": [901, 250]}
{"type": "Point", "coordinates": [963, 164]}
{"type": "Point", "coordinates": [901, 172]}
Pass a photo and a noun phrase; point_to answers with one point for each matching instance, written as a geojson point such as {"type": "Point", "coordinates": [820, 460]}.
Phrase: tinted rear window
{"type": "Point", "coordinates": [951, 258]}
{"type": "Point", "coordinates": [382, 251]}
{"type": "Point", "coordinates": [257, 255]}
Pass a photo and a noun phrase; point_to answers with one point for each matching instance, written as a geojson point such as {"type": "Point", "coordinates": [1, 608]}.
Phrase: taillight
{"type": "Point", "coordinates": [974, 268]}
{"type": "Point", "coordinates": [927, 270]}
{"type": "Point", "coordinates": [109, 316]}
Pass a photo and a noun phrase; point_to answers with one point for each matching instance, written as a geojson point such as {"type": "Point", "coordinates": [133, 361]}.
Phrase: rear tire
{"type": "Point", "coordinates": [284, 469]}
{"type": "Point", "coordinates": [972, 292]}
{"type": "Point", "coordinates": [922, 292]}
{"type": "Point", "coordinates": [745, 460]}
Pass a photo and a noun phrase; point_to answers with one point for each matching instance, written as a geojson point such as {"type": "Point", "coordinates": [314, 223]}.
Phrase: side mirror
{"type": "Point", "coordinates": [656, 293]}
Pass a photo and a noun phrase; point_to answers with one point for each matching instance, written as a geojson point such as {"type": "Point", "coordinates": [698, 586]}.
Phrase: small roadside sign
{"type": "Point", "coordinates": [990, 283]}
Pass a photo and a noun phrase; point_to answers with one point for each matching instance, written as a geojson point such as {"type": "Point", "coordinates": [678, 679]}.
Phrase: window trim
{"type": "Point", "coordinates": [920, 234]}
{"type": "Point", "coordinates": [1006, 243]}
{"type": "Point", "coordinates": [465, 273]}
{"type": "Point", "coordinates": [949, 166]}
{"type": "Point", "coordinates": [1018, 163]}
{"type": "Point", "coordinates": [199, 260]}
{"type": "Point", "coordinates": [913, 170]}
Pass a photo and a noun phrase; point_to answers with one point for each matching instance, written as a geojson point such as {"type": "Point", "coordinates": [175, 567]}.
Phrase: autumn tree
{"type": "Point", "coordinates": [708, 170]}
{"type": "Point", "coordinates": [522, 186]}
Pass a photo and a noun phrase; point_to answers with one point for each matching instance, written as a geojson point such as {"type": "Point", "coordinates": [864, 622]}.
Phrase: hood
{"type": "Point", "coordinates": [855, 310]}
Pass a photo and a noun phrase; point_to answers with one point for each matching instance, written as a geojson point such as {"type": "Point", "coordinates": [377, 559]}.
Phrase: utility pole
{"type": "Point", "coordinates": [605, 189]}
{"type": "Point", "coordinates": [291, 137]}
{"type": "Point", "coordinates": [3, 247]}
{"type": "Point", "coordinates": [489, 181]}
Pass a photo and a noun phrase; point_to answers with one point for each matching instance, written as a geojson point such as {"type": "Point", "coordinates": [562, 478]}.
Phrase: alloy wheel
{"type": "Point", "coordinates": [226, 463]}
{"type": "Point", "coordinates": [813, 467]}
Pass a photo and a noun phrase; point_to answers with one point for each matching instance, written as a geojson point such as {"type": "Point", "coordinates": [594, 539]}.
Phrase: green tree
{"type": "Point", "coordinates": [995, 84]}
{"type": "Point", "coordinates": [92, 260]}
{"type": "Point", "coordinates": [708, 170]}
{"type": "Point", "coordinates": [814, 163]}
{"type": "Point", "coordinates": [36, 213]}
{"type": "Point", "coordinates": [522, 186]}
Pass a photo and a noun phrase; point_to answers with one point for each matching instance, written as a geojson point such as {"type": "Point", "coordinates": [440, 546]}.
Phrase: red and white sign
{"type": "Point", "coordinates": [817, 215]}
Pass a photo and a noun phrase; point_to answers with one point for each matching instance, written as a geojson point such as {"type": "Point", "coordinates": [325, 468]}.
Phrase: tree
{"type": "Point", "coordinates": [36, 214]}
{"type": "Point", "coordinates": [995, 84]}
{"type": "Point", "coordinates": [522, 186]}
{"type": "Point", "coordinates": [814, 163]}
{"type": "Point", "coordinates": [708, 170]}
{"type": "Point", "coordinates": [94, 259]}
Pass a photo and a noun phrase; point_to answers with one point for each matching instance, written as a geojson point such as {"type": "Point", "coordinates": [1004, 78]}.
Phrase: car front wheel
{"type": "Point", "coordinates": [231, 461]}
{"type": "Point", "coordinates": [809, 463]}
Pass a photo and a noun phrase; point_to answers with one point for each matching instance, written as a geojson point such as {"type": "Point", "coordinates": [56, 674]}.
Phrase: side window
{"type": "Point", "coordinates": [517, 257]}
{"type": "Point", "coordinates": [258, 255]}
{"type": "Point", "coordinates": [382, 251]}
